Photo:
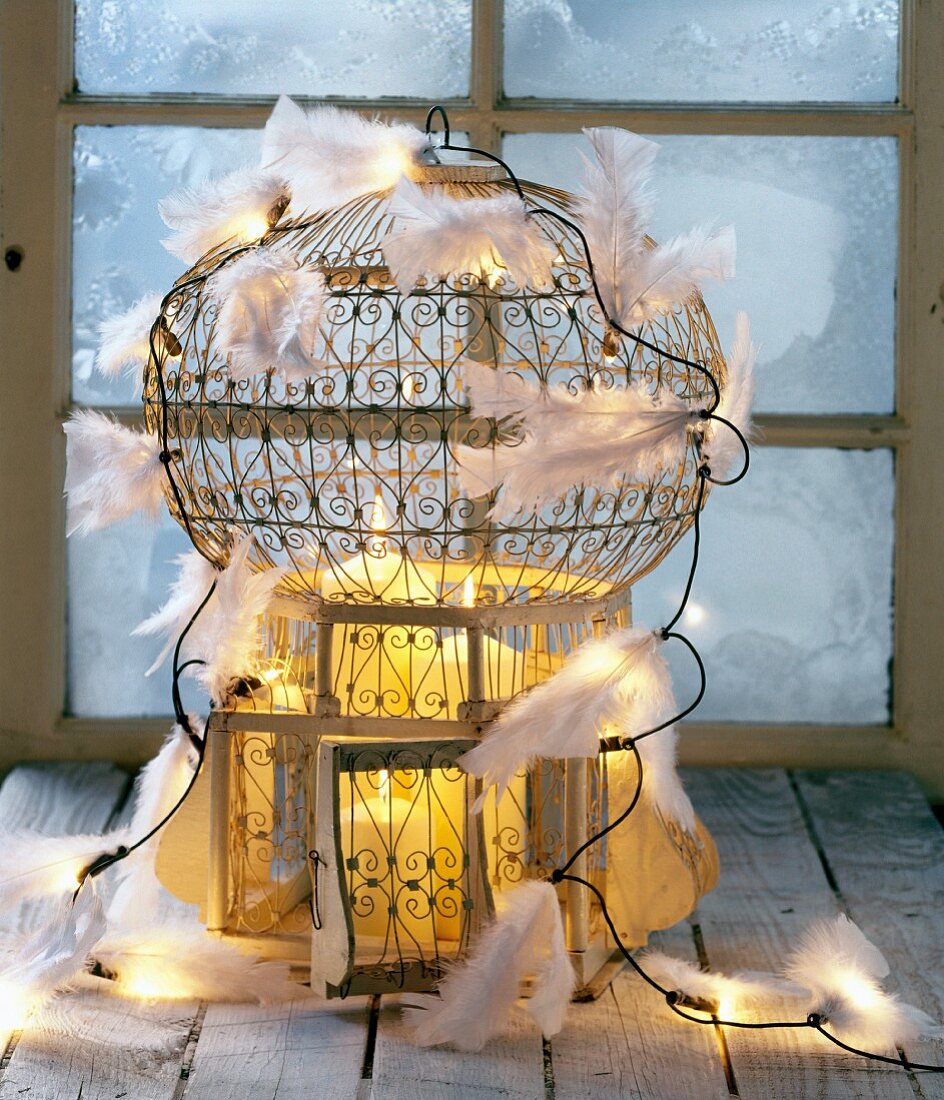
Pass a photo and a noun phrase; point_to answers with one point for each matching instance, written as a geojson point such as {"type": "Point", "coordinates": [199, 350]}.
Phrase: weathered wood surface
{"type": "Point", "coordinates": [793, 849]}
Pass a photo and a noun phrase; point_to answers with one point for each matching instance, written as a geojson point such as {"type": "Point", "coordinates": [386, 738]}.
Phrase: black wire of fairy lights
{"type": "Point", "coordinates": [676, 1000]}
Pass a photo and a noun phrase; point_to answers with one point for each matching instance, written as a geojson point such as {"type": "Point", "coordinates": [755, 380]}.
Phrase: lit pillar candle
{"type": "Point", "coordinates": [380, 667]}
{"type": "Point", "coordinates": [389, 838]}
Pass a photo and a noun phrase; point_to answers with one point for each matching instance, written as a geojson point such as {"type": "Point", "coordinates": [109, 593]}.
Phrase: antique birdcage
{"type": "Point", "coordinates": [341, 830]}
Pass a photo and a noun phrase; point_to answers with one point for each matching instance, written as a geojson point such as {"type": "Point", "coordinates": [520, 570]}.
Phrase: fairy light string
{"type": "Point", "coordinates": [676, 1000]}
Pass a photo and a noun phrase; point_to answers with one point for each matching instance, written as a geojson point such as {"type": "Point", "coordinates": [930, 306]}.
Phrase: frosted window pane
{"type": "Point", "coordinates": [120, 173]}
{"type": "Point", "coordinates": [816, 222]}
{"type": "Point", "coordinates": [687, 50]}
{"type": "Point", "coordinates": [367, 48]}
{"type": "Point", "coordinates": [792, 606]}
{"type": "Point", "coordinates": [117, 577]}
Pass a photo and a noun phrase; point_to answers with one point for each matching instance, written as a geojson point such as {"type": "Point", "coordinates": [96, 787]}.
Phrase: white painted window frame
{"type": "Point", "coordinates": [39, 108]}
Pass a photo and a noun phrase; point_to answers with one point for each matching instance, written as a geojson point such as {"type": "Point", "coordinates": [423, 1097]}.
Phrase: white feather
{"type": "Point", "coordinates": [46, 960]}
{"type": "Point", "coordinates": [111, 472]}
{"type": "Point", "coordinates": [722, 449]}
{"type": "Point", "coordinates": [160, 786]}
{"type": "Point", "coordinates": [639, 282]}
{"type": "Point", "coordinates": [34, 866]}
{"type": "Point", "coordinates": [226, 633]}
{"type": "Point", "coordinates": [180, 960]}
{"type": "Point", "coordinates": [732, 993]}
{"type": "Point", "coordinates": [235, 207]}
{"type": "Point", "coordinates": [620, 680]}
{"type": "Point", "coordinates": [436, 236]}
{"type": "Point", "coordinates": [270, 312]}
{"type": "Point", "coordinates": [594, 438]}
{"type": "Point", "coordinates": [843, 971]}
{"type": "Point", "coordinates": [329, 156]}
{"type": "Point", "coordinates": [661, 786]}
{"type": "Point", "coordinates": [477, 996]}
{"type": "Point", "coordinates": [194, 577]}
{"type": "Point", "coordinates": [615, 206]}
{"type": "Point", "coordinates": [124, 341]}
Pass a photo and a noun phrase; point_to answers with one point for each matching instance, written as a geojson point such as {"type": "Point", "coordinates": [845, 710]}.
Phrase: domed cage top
{"type": "Point", "coordinates": [349, 478]}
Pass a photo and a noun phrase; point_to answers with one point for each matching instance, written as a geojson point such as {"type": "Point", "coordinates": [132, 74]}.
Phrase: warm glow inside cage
{"type": "Point", "coordinates": [406, 616]}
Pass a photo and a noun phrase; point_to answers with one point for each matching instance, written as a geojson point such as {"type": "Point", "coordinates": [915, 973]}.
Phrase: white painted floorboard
{"type": "Point", "coordinates": [792, 847]}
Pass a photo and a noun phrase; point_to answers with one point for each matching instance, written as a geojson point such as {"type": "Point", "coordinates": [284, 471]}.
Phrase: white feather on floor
{"type": "Point", "coordinates": [269, 312]}
{"type": "Point", "coordinates": [594, 438]}
{"type": "Point", "coordinates": [734, 994]}
{"type": "Point", "coordinates": [124, 340]}
{"type": "Point", "coordinates": [638, 282]}
{"type": "Point", "coordinates": [178, 959]}
{"type": "Point", "coordinates": [721, 449]}
{"type": "Point", "coordinates": [111, 472]}
{"type": "Point", "coordinates": [477, 996]}
{"type": "Point", "coordinates": [843, 972]}
{"type": "Point", "coordinates": [620, 682]}
{"type": "Point", "coordinates": [32, 968]}
{"type": "Point", "coordinates": [329, 156]}
{"type": "Point", "coordinates": [435, 236]}
{"type": "Point", "coordinates": [232, 209]}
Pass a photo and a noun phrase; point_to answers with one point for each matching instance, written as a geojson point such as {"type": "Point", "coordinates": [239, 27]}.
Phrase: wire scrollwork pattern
{"type": "Point", "coordinates": [302, 464]}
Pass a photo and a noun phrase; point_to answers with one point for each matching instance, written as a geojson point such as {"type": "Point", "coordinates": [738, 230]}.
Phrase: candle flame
{"type": "Point", "coordinates": [468, 592]}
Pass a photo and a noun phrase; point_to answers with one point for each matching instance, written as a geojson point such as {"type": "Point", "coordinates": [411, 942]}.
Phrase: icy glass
{"type": "Point", "coordinates": [792, 605]}
{"type": "Point", "coordinates": [367, 48]}
{"type": "Point", "coordinates": [120, 174]}
{"type": "Point", "coordinates": [816, 221]}
{"type": "Point", "coordinates": [686, 50]}
{"type": "Point", "coordinates": [118, 577]}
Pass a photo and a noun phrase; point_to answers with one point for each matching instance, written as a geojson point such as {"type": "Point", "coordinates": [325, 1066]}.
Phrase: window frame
{"type": "Point", "coordinates": [40, 108]}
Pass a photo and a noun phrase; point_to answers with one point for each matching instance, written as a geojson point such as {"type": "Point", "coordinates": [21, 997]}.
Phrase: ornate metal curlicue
{"type": "Point", "coordinates": [407, 617]}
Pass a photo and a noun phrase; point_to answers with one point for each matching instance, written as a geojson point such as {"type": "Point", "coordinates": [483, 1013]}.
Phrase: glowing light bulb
{"type": "Point", "coordinates": [253, 227]}
{"type": "Point", "coordinates": [408, 387]}
{"type": "Point", "coordinates": [468, 592]}
{"type": "Point", "coordinates": [67, 878]}
{"type": "Point", "coordinates": [14, 1007]}
{"type": "Point", "coordinates": [860, 990]}
{"type": "Point", "coordinates": [695, 614]}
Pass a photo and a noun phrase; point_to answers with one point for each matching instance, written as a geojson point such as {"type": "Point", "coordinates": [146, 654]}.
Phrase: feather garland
{"type": "Point", "coordinates": [194, 577]}
{"type": "Point", "coordinates": [638, 280]}
{"type": "Point", "coordinates": [160, 786]}
{"type": "Point", "coordinates": [179, 960]}
{"type": "Point", "coordinates": [732, 994]}
{"type": "Point", "coordinates": [593, 438]}
{"type": "Point", "coordinates": [722, 448]}
{"type": "Point", "coordinates": [843, 971]}
{"type": "Point", "coordinates": [124, 340]}
{"type": "Point", "coordinates": [476, 998]}
{"type": "Point", "coordinates": [329, 156]}
{"type": "Point", "coordinates": [269, 314]}
{"type": "Point", "coordinates": [619, 680]}
{"type": "Point", "coordinates": [35, 968]}
{"type": "Point", "coordinates": [111, 472]}
{"type": "Point", "coordinates": [237, 206]}
{"type": "Point", "coordinates": [436, 236]}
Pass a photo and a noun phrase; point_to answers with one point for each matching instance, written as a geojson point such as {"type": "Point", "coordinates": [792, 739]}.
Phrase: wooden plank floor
{"type": "Point", "coordinates": [793, 846]}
